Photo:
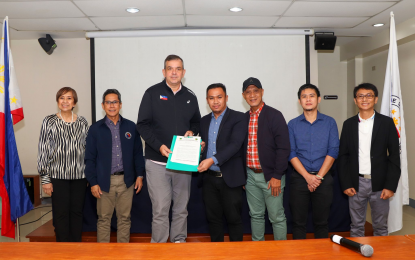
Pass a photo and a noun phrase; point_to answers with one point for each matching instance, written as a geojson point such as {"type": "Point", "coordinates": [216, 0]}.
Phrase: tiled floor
{"type": "Point", "coordinates": [45, 208]}
{"type": "Point", "coordinates": [408, 221]}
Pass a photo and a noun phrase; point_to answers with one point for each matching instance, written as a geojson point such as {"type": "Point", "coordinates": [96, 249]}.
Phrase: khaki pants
{"type": "Point", "coordinates": [120, 198]}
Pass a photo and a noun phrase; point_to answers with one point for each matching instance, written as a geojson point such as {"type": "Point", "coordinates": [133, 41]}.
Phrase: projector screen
{"type": "Point", "coordinates": [132, 65]}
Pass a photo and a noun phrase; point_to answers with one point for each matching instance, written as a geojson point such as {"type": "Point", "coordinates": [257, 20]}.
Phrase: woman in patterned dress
{"type": "Point", "coordinates": [61, 165]}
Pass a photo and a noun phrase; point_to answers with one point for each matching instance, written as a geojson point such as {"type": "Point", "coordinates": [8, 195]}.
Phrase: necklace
{"type": "Point", "coordinates": [64, 119]}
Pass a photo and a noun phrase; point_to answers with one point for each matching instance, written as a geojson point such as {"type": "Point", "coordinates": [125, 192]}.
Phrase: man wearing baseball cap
{"type": "Point", "coordinates": [267, 149]}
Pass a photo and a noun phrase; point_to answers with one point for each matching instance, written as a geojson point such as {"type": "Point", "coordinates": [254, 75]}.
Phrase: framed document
{"type": "Point", "coordinates": [185, 153]}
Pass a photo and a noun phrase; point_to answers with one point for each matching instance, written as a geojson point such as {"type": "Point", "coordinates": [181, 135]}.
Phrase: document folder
{"type": "Point", "coordinates": [180, 166]}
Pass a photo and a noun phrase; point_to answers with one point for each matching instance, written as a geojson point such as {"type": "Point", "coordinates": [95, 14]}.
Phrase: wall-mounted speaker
{"type": "Point", "coordinates": [324, 41]}
{"type": "Point", "coordinates": [48, 44]}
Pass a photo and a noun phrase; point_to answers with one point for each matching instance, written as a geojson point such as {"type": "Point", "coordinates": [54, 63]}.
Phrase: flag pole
{"type": "Point", "coordinates": [18, 229]}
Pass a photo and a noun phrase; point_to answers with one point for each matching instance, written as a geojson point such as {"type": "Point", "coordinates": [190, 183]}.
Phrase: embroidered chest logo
{"type": "Point", "coordinates": [128, 135]}
{"type": "Point", "coordinates": [188, 101]}
{"type": "Point", "coordinates": [163, 97]}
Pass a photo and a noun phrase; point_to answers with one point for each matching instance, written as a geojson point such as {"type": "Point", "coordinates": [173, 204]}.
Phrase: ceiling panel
{"type": "Point", "coordinates": [221, 7]}
{"type": "Point", "coordinates": [46, 9]}
{"type": "Point", "coordinates": [141, 22]}
{"type": "Point", "coordinates": [61, 24]}
{"type": "Point", "coordinates": [315, 9]}
{"type": "Point", "coordinates": [230, 21]}
{"type": "Point", "coordinates": [348, 0]}
{"type": "Point", "coordinates": [316, 22]}
{"type": "Point", "coordinates": [34, 0]}
{"type": "Point", "coordinates": [117, 8]}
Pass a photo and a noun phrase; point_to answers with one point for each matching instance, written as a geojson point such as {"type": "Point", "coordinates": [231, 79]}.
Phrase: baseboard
{"type": "Point", "coordinates": [412, 203]}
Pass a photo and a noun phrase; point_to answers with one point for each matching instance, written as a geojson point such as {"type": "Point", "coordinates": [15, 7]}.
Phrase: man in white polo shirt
{"type": "Point", "coordinates": [369, 162]}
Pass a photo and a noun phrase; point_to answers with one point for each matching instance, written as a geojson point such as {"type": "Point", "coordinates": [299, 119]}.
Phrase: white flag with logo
{"type": "Point", "coordinates": [392, 106]}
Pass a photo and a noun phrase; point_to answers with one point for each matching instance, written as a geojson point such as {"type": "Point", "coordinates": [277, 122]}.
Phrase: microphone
{"type": "Point", "coordinates": [365, 250]}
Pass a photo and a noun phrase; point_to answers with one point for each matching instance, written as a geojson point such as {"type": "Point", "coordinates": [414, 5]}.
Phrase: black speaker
{"type": "Point", "coordinates": [324, 41]}
{"type": "Point", "coordinates": [48, 44]}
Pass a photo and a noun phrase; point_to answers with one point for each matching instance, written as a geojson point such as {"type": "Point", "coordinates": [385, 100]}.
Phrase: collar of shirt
{"type": "Point", "coordinates": [109, 121]}
{"type": "Point", "coordinates": [221, 115]}
{"type": "Point", "coordinates": [258, 111]}
{"type": "Point", "coordinates": [319, 117]}
{"type": "Point", "coordinates": [366, 120]}
{"type": "Point", "coordinates": [174, 92]}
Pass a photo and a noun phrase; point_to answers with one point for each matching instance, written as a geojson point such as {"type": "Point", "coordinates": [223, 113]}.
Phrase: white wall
{"type": "Point", "coordinates": [332, 80]}
{"type": "Point", "coordinates": [39, 77]}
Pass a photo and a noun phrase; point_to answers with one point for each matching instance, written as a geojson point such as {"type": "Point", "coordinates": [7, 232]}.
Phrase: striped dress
{"type": "Point", "coordinates": [61, 149]}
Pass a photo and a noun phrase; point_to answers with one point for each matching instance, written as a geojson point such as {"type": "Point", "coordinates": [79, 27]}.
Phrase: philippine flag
{"type": "Point", "coordinates": [163, 97]}
{"type": "Point", "coordinates": [15, 200]}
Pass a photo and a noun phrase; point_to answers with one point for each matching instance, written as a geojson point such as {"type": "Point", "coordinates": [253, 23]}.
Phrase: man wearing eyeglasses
{"type": "Point", "coordinates": [369, 162]}
{"type": "Point", "coordinates": [114, 167]}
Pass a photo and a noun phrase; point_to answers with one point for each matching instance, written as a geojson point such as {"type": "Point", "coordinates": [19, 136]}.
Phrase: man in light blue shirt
{"type": "Point", "coordinates": [224, 131]}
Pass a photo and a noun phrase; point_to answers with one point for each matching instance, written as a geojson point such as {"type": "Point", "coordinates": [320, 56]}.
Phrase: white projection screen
{"type": "Point", "coordinates": [132, 65]}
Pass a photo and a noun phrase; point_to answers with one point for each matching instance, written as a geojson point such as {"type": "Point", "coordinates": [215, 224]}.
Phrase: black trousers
{"type": "Point", "coordinates": [221, 200]}
{"type": "Point", "coordinates": [321, 200]}
{"type": "Point", "coordinates": [68, 199]}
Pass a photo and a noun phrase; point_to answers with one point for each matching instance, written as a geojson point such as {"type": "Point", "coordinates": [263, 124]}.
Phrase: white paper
{"type": "Point", "coordinates": [186, 150]}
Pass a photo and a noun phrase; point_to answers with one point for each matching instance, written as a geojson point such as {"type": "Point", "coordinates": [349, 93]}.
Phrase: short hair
{"type": "Point", "coordinates": [173, 57]}
{"type": "Point", "coordinates": [306, 86]}
{"type": "Point", "coordinates": [65, 90]}
{"type": "Point", "coordinates": [111, 91]}
{"type": "Point", "coordinates": [367, 86]}
{"type": "Point", "coordinates": [216, 85]}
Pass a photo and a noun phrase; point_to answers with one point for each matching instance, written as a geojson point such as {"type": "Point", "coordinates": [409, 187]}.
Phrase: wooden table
{"type": "Point", "coordinates": [411, 237]}
{"type": "Point", "coordinates": [390, 247]}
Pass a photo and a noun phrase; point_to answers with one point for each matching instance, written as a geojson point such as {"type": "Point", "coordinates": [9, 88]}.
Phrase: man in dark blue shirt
{"type": "Point", "coordinates": [314, 143]}
{"type": "Point", "coordinates": [114, 167]}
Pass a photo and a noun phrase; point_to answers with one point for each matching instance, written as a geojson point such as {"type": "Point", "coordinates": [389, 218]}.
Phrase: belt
{"type": "Point", "coordinates": [366, 176]}
{"type": "Point", "coordinates": [314, 173]}
{"type": "Point", "coordinates": [214, 173]}
{"type": "Point", "coordinates": [256, 170]}
{"type": "Point", "coordinates": [118, 173]}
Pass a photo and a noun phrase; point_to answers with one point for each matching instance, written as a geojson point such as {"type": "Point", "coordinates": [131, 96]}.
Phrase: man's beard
{"type": "Point", "coordinates": [309, 110]}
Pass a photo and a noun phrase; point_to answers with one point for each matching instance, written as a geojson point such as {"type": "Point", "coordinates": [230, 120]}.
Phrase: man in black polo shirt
{"type": "Point", "coordinates": [167, 109]}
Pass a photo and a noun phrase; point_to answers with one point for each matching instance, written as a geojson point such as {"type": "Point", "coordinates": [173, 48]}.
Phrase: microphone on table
{"type": "Point", "coordinates": [365, 250]}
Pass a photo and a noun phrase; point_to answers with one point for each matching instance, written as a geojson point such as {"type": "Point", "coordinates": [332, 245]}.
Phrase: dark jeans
{"type": "Point", "coordinates": [222, 200]}
{"type": "Point", "coordinates": [321, 200]}
{"type": "Point", "coordinates": [68, 198]}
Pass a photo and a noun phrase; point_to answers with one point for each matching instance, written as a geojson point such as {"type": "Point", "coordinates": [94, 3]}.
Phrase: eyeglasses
{"type": "Point", "coordinates": [367, 96]}
{"type": "Point", "coordinates": [109, 103]}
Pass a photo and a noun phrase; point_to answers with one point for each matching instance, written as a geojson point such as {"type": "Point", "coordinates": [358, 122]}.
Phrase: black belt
{"type": "Point", "coordinates": [214, 173]}
{"type": "Point", "coordinates": [118, 173]}
{"type": "Point", "coordinates": [314, 173]}
{"type": "Point", "coordinates": [366, 176]}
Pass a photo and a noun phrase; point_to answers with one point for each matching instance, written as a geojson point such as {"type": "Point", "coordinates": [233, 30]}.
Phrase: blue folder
{"type": "Point", "coordinates": [179, 166]}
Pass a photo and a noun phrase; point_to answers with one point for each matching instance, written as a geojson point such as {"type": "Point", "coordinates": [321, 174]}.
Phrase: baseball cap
{"type": "Point", "coordinates": [251, 81]}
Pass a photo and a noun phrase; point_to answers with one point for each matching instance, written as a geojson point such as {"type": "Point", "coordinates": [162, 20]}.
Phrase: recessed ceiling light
{"type": "Point", "coordinates": [235, 9]}
{"type": "Point", "coordinates": [378, 24]}
{"type": "Point", "coordinates": [132, 10]}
